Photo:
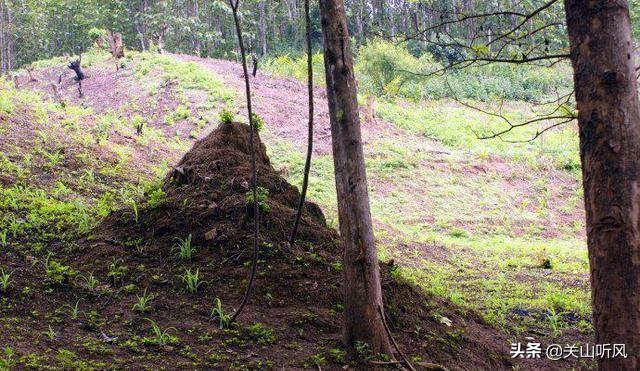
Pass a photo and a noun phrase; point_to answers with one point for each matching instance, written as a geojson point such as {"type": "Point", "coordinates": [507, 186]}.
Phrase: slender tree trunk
{"type": "Point", "coordinates": [3, 49]}
{"type": "Point", "coordinates": [609, 122]}
{"type": "Point", "coordinates": [360, 4]}
{"type": "Point", "coordinates": [262, 27]}
{"type": "Point", "coordinates": [197, 46]}
{"type": "Point", "coordinates": [9, 37]}
{"type": "Point", "coordinates": [362, 291]}
{"type": "Point", "coordinates": [141, 26]}
{"type": "Point", "coordinates": [292, 8]}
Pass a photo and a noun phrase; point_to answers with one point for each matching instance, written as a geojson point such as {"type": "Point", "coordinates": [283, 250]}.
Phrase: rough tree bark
{"type": "Point", "coordinates": [609, 122]}
{"type": "Point", "coordinates": [362, 291]}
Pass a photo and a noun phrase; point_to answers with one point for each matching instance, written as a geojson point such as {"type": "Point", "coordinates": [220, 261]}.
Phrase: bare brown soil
{"type": "Point", "coordinates": [283, 103]}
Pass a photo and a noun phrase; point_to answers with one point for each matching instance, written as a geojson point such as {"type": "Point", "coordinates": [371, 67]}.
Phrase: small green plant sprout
{"type": "Point", "coordinates": [226, 117]}
{"type": "Point", "coordinates": [3, 238]}
{"type": "Point", "coordinates": [5, 280]}
{"type": "Point", "coordinates": [260, 333]}
{"type": "Point", "coordinates": [556, 321]}
{"type": "Point", "coordinates": [218, 313]}
{"type": "Point", "coordinates": [363, 351]}
{"type": "Point", "coordinates": [192, 280]}
{"type": "Point", "coordinates": [263, 196]}
{"type": "Point", "coordinates": [144, 301]}
{"type": "Point", "coordinates": [134, 208]}
{"type": "Point", "coordinates": [6, 361]}
{"type": "Point", "coordinates": [185, 250]}
{"type": "Point", "coordinates": [50, 333]}
{"type": "Point", "coordinates": [117, 271]}
{"type": "Point", "coordinates": [140, 247]}
{"type": "Point", "coordinates": [90, 282]}
{"type": "Point", "coordinates": [258, 122]}
{"type": "Point", "coordinates": [75, 310]}
{"type": "Point", "coordinates": [181, 112]}
{"type": "Point", "coordinates": [157, 197]}
{"type": "Point", "coordinates": [160, 337]}
{"type": "Point", "coordinates": [57, 273]}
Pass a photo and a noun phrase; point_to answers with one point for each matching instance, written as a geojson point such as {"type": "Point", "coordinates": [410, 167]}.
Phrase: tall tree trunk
{"type": "Point", "coordinates": [360, 5]}
{"type": "Point", "coordinates": [9, 37]}
{"type": "Point", "coordinates": [197, 46]}
{"type": "Point", "coordinates": [362, 291]}
{"type": "Point", "coordinates": [3, 49]}
{"type": "Point", "coordinates": [141, 26]}
{"type": "Point", "coordinates": [262, 27]}
{"type": "Point", "coordinates": [609, 122]}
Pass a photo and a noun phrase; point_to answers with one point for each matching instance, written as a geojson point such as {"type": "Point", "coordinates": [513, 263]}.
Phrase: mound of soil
{"type": "Point", "coordinates": [297, 294]}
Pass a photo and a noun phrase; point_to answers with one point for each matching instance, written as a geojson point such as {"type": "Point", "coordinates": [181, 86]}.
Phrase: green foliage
{"type": "Point", "coordinates": [143, 303]}
{"type": "Point", "coordinates": [75, 310]}
{"type": "Point", "coordinates": [6, 103]}
{"type": "Point", "coordinates": [556, 321]}
{"type": "Point", "coordinates": [260, 333]}
{"type": "Point", "coordinates": [387, 69]}
{"type": "Point", "coordinates": [226, 116]}
{"type": "Point", "coordinates": [96, 33]}
{"type": "Point", "coordinates": [339, 355]}
{"type": "Point", "coordinates": [181, 112]}
{"type": "Point", "coordinates": [50, 333]}
{"type": "Point", "coordinates": [218, 313]}
{"type": "Point", "coordinates": [117, 271]}
{"type": "Point", "coordinates": [458, 127]}
{"type": "Point", "coordinates": [161, 337]}
{"type": "Point", "coordinates": [258, 122]}
{"type": "Point", "coordinates": [26, 211]}
{"type": "Point", "coordinates": [156, 196]}
{"type": "Point", "coordinates": [6, 359]}
{"type": "Point", "coordinates": [296, 67]}
{"type": "Point", "coordinates": [189, 75]}
{"type": "Point", "coordinates": [57, 273]}
{"type": "Point", "coordinates": [262, 195]}
{"type": "Point", "coordinates": [192, 280]}
{"type": "Point", "coordinates": [134, 208]}
{"type": "Point", "coordinates": [90, 281]}
{"type": "Point", "coordinates": [5, 280]}
{"type": "Point", "coordinates": [185, 250]}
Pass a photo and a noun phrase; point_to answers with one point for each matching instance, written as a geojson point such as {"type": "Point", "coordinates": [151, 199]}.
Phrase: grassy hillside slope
{"type": "Point", "coordinates": [492, 240]}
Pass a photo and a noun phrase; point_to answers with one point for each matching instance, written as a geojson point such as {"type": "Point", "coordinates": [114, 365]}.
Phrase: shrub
{"type": "Point", "coordinates": [263, 196]}
{"type": "Point", "coordinates": [388, 69]}
{"type": "Point", "coordinates": [258, 122]}
{"type": "Point", "coordinates": [96, 33]}
{"type": "Point", "coordinates": [297, 67]}
{"type": "Point", "coordinates": [226, 117]}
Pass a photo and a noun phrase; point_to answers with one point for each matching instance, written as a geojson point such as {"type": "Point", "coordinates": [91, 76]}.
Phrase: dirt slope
{"type": "Point", "coordinates": [293, 317]}
{"type": "Point", "coordinates": [282, 102]}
